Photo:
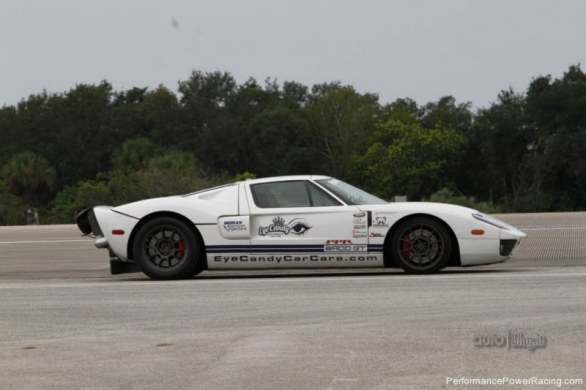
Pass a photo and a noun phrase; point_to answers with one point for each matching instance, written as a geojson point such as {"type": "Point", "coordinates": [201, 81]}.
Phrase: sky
{"type": "Point", "coordinates": [421, 49]}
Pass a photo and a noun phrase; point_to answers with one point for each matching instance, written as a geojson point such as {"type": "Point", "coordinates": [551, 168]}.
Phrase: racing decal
{"type": "Point", "coordinates": [359, 230]}
{"type": "Point", "coordinates": [375, 235]}
{"type": "Point", "coordinates": [279, 227]}
{"type": "Point", "coordinates": [272, 249]}
{"type": "Point", "coordinates": [284, 259]}
{"type": "Point", "coordinates": [263, 248]}
{"type": "Point", "coordinates": [234, 226]}
{"type": "Point", "coordinates": [382, 220]}
{"type": "Point", "coordinates": [345, 248]}
{"type": "Point", "coordinates": [360, 218]}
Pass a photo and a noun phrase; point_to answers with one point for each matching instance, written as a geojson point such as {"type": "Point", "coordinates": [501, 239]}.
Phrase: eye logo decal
{"type": "Point", "coordinates": [296, 226]}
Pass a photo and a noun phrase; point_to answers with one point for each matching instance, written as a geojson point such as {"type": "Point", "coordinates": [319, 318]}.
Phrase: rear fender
{"type": "Point", "coordinates": [149, 217]}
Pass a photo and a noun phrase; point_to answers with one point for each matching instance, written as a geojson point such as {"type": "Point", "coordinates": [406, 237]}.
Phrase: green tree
{"type": "Point", "coordinates": [403, 110]}
{"type": "Point", "coordinates": [557, 112]}
{"type": "Point", "coordinates": [447, 114]}
{"type": "Point", "coordinates": [12, 208]}
{"type": "Point", "coordinates": [30, 177]}
{"type": "Point", "coordinates": [171, 173]}
{"type": "Point", "coordinates": [227, 145]}
{"type": "Point", "coordinates": [407, 159]}
{"type": "Point", "coordinates": [10, 139]}
{"type": "Point", "coordinates": [506, 136]}
{"type": "Point", "coordinates": [163, 121]}
{"type": "Point", "coordinates": [276, 144]}
{"type": "Point", "coordinates": [340, 121]}
{"type": "Point", "coordinates": [203, 98]}
{"type": "Point", "coordinates": [85, 136]}
{"type": "Point", "coordinates": [134, 154]}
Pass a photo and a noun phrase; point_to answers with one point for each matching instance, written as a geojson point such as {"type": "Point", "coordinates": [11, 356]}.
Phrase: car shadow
{"type": "Point", "coordinates": [323, 273]}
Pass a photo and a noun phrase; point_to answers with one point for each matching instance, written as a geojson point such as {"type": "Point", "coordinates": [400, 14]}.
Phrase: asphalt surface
{"type": "Point", "coordinates": [65, 323]}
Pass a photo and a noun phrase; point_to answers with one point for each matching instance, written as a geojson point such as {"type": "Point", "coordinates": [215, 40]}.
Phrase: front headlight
{"type": "Point", "coordinates": [491, 221]}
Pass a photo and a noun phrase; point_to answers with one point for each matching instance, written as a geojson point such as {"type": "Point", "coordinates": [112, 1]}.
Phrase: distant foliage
{"type": "Point", "coordinates": [408, 159]}
{"type": "Point", "coordinates": [244, 176]}
{"type": "Point", "coordinates": [445, 195]}
{"type": "Point", "coordinates": [93, 145]}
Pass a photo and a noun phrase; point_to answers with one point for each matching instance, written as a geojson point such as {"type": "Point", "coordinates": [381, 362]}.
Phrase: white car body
{"type": "Point", "coordinates": [238, 234]}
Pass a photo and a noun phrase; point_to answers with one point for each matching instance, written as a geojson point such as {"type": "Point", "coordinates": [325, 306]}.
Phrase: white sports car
{"type": "Point", "coordinates": [292, 222]}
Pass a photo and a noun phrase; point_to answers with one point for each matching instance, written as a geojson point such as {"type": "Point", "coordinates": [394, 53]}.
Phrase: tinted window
{"type": "Point", "coordinates": [319, 198]}
{"type": "Point", "coordinates": [281, 194]}
{"type": "Point", "coordinates": [291, 194]}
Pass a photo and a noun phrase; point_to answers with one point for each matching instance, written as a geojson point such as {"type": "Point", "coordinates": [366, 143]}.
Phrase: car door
{"type": "Point", "coordinates": [295, 223]}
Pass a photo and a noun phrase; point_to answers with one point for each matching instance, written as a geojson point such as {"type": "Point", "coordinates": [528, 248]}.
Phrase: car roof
{"type": "Point", "coordinates": [285, 178]}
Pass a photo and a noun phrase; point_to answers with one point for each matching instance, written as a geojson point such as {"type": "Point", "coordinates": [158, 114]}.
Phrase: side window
{"type": "Point", "coordinates": [281, 194]}
{"type": "Point", "coordinates": [290, 194]}
{"type": "Point", "coordinates": [319, 198]}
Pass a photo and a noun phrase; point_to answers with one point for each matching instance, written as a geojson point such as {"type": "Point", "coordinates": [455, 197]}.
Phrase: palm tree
{"type": "Point", "coordinates": [30, 177]}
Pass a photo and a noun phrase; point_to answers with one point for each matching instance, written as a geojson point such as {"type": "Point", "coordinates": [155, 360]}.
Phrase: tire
{"type": "Point", "coordinates": [421, 246]}
{"type": "Point", "coordinates": [166, 248]}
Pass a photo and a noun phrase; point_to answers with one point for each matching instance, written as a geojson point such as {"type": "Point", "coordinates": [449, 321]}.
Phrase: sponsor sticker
{"type": "Point", "coordinates": [234, 226]}
{"type": "Point", "coordinates": [380, 221]}
{"type": "Point", "coordinates": [338, 242]}
{"type": "Point", "coordinates": [279, 227]}
{"type": "Point", "coordinates": [345, 248]}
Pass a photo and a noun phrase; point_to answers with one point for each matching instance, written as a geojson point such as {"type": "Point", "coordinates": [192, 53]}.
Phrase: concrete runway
{"type": "Point", "coordinates": [65, 323]}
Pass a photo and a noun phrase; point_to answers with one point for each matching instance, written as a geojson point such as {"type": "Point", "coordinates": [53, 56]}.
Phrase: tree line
{"type": "Point", "coordinates": [93, 145]}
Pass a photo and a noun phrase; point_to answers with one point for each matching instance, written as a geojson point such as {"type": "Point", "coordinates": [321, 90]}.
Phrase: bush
{"type": "Point", "coordinates": [445, 195]}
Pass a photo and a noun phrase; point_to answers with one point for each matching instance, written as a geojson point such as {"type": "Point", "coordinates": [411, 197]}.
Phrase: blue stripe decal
{"type": "Point", "coordinates": [264, 248]}
{"type": "Point", "coordinates": [275, 248]}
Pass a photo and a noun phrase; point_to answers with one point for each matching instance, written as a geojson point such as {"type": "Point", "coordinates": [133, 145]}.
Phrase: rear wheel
{"type": "Point", "coordinates": [421, 246]}
{"type": "Point", "coordinates": [166, 248]}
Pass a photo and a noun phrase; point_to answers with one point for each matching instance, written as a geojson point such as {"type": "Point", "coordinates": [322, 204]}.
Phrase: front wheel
{"type": "Point", "coordinates": [166, 248]}
{"type": "Point", "coordinates": [421, 246]}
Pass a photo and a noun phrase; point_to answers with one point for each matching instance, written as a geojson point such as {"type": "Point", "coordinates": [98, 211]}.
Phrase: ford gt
{"type": "Point", "coordinates": [292, 222]}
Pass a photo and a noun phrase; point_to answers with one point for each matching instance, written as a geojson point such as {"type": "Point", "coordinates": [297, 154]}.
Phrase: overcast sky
{"type": "Point", "coordinates": [395, 48]}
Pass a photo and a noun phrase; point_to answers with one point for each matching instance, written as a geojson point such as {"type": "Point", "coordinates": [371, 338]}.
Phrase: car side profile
{"type": "Point", "coordinates": [292, 222]}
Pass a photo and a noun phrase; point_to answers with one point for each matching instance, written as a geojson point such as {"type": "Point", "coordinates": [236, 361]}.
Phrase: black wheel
{"type": "Point", "coordinates": [421, 246]}
{"type": "Point", "coordinates": [166, 248]}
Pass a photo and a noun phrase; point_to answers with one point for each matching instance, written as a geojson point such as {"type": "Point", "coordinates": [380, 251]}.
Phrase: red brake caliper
{"type": "Point", "coordinates": [405, 246]}
{"type": "Point", "coordinates": [180, 249]}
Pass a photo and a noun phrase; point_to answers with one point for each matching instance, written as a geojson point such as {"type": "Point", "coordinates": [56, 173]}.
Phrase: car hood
{"type": "Point", "coordinates": [417, 207]}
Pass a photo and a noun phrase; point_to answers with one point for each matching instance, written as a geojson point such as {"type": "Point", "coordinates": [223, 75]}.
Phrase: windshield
{"type": "Point", "coordinates": [348, 193]}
